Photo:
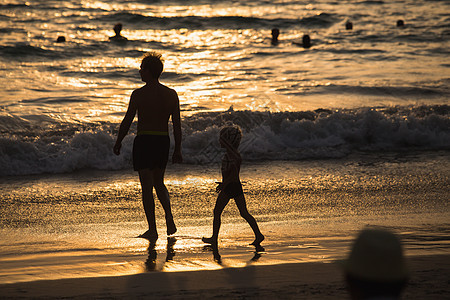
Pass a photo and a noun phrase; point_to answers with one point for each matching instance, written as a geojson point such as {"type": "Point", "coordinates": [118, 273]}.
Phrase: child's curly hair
{"type": "Point", "coordinates": [232, 134]}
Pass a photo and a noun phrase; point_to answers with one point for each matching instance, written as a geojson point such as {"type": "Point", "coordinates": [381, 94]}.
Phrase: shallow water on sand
{"type": "Point", "coordinates": [86, 223]}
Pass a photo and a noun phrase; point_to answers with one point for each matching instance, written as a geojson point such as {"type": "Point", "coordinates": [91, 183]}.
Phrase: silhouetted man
{"type": "Point", "coordinates": [154, 103]}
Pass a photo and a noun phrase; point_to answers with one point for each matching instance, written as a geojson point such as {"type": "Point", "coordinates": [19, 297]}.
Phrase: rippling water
{"type": "Point", "coordinates": [376, 87]}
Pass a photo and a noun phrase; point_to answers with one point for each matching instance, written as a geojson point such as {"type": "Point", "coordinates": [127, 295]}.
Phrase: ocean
{"type": "Point", "coordinates": [352, 131]}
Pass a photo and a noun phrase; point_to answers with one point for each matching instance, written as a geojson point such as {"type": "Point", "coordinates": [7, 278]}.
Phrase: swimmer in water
{"type": "Point", "coordinates": [118, 37]}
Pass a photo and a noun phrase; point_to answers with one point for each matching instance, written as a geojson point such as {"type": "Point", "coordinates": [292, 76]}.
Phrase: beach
{"type": "Point", "coordinates": [352, 132]}
{"type": "Point", "coordinates": [83, 232]}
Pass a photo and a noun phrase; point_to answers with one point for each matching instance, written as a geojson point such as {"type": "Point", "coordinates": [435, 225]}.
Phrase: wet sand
{"type": "Point", "coordinates": [56, 229]}
{"type": "Point", "coordinates": [429, 280]}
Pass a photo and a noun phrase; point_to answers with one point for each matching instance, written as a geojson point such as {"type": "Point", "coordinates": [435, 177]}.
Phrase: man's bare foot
{"type": "Point", "coordinates": [217, 257]}
{"type": "Point", "coordinates": [171, 228]}
{"type": "Point", "coordinates": [258, 240]}
{"type": "Point", "coordinates": [259, 249]}
{"type": "Point", "coordinates": [211, 241]}
{"type": "Point", "coordinates": [151, 236]}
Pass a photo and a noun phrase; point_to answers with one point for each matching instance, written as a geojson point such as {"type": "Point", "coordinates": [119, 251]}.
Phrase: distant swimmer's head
{"type": "Point", "coordinates": [117, 28]}
{"type": "Point", "coordinates": [349, 25]}
{"type": "Point", "coordinates": [118, 37]}
{"type": "Point", "coordinates": [61, 39]}
{"type": "Point", "coordinates": [306, 40]}
{"type": "Point", "coordinates": [275, 34]}
{"type": "Point", "coordinates": [152, 65]}
{"type": "Point", "coordinates": [400, 23]}
{"type": "Point", "coordinates": [230, 134]}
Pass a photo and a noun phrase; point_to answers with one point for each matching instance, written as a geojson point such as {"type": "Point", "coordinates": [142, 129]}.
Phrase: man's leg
{"type": "Point", "coordinates": [146, 178]}
{"type": "Point", "coordinates": [163, 196]}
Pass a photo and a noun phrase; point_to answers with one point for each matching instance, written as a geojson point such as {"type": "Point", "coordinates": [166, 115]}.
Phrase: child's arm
{"type": "Point", "coordinates": [176, 121]}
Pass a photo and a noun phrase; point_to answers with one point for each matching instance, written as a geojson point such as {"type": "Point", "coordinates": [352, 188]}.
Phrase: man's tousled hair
{"type": "Point", "coordinates": [153, 62]}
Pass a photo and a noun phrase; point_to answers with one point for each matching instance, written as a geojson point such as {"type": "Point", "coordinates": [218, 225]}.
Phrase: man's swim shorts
{"type": "Point", "coordinates": [150, 151]}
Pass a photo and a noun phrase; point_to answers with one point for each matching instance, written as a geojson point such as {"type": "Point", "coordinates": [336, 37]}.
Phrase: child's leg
{"type": "Point", "coordinates": [222, 201]}
{"type": "Point", "coordinates": [242, 206]}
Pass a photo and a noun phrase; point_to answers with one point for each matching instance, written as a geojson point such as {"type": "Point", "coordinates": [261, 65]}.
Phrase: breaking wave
{"type": "Point", "coordinates": [51, 146]}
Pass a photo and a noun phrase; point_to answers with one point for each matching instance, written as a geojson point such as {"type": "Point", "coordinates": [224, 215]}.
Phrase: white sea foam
{"type": "Point", "coordinates": [65, 147]}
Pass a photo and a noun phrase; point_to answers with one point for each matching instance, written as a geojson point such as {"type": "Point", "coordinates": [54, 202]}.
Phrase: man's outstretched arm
{"type": "Point", "coordinates": [125, 125]}
{"type": "Point", "coordinates": [176, 122]}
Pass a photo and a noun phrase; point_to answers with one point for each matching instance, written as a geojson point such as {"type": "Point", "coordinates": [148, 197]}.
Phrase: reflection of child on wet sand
{"type": "Point", "coordinates": [230, 187]}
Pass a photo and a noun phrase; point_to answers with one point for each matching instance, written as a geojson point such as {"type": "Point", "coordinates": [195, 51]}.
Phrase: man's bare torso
{"type": "Point", "coordinates": [155, 104]}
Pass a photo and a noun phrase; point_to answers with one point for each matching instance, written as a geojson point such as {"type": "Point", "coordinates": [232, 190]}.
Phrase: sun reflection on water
{"type": "Point", "coordinates": [108, 7]}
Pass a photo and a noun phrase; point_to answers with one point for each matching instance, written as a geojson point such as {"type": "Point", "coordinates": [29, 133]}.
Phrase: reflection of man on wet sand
{"type": "Point", "coordinates": [155, 104]}
{"type": "Point", "coordinates": [150, 263]}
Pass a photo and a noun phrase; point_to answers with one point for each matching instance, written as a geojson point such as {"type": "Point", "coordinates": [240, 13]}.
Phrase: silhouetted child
{"type": "Point", "coordinates": [230, 187]}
